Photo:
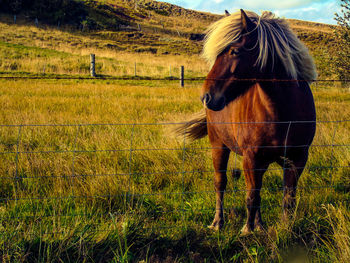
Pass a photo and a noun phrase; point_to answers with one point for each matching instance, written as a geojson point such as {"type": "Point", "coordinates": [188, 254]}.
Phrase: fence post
{"type": "Point", "coordinates": [182, 76]}
{"type": "Point", "coordinates": [92, 65]}
{"type": "Point", "coordinates": [135, 70]}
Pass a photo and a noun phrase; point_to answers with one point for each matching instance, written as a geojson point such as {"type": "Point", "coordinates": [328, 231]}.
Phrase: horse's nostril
{"type": "Point", "coordinates": [207, 98]}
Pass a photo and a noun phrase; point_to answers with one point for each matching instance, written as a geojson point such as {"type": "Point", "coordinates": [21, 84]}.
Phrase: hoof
{"type": "Point", "coordinates": [216, 225]}
{"type": "Point", "coordinates": [245, 231]}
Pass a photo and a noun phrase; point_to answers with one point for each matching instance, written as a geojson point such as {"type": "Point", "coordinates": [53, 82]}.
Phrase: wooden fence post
{"type": "Point", "coordinates": [92, 65]}
{"type": "Point", "coordinates": [182, 76]}
{"type": "Point", "coordinates": [135, 69]}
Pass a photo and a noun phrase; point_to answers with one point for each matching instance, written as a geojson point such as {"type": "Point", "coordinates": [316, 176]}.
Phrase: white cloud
{"type": "Point", "coordinates": [311, 10]}
{"type": "Point", "coordinates": [323, 13]}
{"type": "Point", "coordinates": [269, 4]}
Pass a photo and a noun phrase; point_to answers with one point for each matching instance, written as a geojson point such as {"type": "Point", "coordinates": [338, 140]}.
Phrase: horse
{"type": "Point", "coordinates": [258, 104]}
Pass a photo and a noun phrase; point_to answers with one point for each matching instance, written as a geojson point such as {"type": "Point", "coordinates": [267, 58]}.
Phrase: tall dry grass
{"type": "Point", "coordinates": [118, 189]}
{"type": "Point", "coordinates": [81, 182]}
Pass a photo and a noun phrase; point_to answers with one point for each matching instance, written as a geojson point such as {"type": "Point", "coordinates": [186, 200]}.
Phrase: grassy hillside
{"type": "Point", "coordinates": [151, 29]}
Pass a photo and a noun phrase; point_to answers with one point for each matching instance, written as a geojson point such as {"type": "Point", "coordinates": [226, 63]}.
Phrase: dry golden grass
{"type": "Point", "coordinates": [152, 165]}
{"type": "Point", "coordinates": [112, 193]}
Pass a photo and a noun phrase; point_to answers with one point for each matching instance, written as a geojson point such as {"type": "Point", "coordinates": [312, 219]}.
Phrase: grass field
{"type": "Point", "coordinates": [90, 171]}
{"type": "Point", "coordinates": [120, 192]}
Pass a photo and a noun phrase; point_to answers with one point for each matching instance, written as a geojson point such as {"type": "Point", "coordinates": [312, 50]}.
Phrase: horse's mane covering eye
{"type": "Point", "coordinates": [234, 51]}
{"type": "Point", "coordinates": [280, 41]}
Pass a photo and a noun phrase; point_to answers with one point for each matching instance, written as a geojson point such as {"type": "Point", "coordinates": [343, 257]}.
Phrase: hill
{"type": "Point", "coordinates": [147, 26]}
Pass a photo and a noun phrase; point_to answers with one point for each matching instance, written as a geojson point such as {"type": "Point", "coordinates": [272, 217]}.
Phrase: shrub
{"type": "Point", "coordinates": [342, 60]}
{"type": "Point", "coordinates": [53, 11]}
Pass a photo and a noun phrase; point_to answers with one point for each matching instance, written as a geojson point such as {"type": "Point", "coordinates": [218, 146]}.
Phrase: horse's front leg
{"type": "Point", "coordinates": [254, 169]}
{"type": "Point", "coordinates": [293, 168]}
{"type": "Point", "coordinates": [220, 155]}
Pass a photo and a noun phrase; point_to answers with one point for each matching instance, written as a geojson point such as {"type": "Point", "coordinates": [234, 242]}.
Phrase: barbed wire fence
{"type": "Point", "coordinates": [181, 76]}
{"type": "Point", "coordinates": [21, 149]}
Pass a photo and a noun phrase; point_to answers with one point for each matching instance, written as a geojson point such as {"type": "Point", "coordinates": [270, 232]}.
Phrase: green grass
{"type": "Point", "coordinates": [125, 193]}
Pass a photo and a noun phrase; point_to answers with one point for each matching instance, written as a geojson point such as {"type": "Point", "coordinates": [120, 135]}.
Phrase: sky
{"type": "Point", "coordinates": [310, 10]}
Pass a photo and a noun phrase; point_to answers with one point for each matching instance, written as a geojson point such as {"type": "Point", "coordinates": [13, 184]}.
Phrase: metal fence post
{"type": "Point", "coordinates": [182, 76]}
{"type": "Point", "coordinates": [92, 65]}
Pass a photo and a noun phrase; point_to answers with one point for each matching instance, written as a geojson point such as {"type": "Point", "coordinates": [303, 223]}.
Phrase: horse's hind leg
{"type": "Point", "coordinates": [254, 170]}
{"type": "Point", "coordinates": [293, 167]}
{"type": "Point", "coordinates": [220, 155]}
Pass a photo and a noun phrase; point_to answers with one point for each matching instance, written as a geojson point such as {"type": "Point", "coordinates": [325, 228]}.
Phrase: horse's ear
{"type": "Point", "coordinates": [247, 24]}
{"type": "Point", "coordinates": [227, 13]}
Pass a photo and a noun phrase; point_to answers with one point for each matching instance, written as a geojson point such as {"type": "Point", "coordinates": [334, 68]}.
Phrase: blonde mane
{"type": "Point", "coordinates": [275, 40]}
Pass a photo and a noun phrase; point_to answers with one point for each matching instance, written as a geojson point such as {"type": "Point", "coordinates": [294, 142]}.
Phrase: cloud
{"type": "Point", "coordinates": [310, 10]}
{"type": "Point", "coordinates": [317, 12]}
{"type": "Point", "coordinates": [217, 5]}
{"type": "Point", "coordinates": [269, 4]}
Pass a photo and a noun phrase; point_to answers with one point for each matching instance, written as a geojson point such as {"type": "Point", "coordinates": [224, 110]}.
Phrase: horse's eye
{"type": "Point", "coordinates": [234, 51]}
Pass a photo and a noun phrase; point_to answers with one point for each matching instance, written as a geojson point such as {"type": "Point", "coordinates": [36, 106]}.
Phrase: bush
{"type": "Point", "coordinates": [53, 11]}
{"type": "Point", "coordinates": [87, 14]}
{"type": "Point", "coordinates": [342, 60]}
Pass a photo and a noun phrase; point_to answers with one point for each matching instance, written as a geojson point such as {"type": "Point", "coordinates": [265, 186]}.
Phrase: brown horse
{"type": "Point", "coordinates": [257, 103]}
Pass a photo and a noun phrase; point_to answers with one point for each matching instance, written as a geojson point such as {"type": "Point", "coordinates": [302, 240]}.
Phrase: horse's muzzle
{"type": "Point", "coordinates": [212, 103]}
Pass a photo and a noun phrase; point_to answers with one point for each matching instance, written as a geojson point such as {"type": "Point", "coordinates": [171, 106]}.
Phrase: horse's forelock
{"type": "Point", "coordinates": [275, 40]}
{"type": "Point", "coordinates": [220, 35]}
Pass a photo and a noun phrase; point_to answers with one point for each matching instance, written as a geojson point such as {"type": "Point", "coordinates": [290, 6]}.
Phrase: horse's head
{"type": "Point", "coordinates": [232, 66]}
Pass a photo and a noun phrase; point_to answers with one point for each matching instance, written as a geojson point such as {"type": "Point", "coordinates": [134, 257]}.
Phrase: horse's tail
{"type": "Point", "coordinates": [195, 128]}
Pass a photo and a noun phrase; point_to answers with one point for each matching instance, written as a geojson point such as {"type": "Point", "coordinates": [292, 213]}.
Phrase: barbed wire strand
{"type": "Point", "coordinates": [169, 123]}
{"type": "Point", "coordinates": [147, 78]}
{"type": "Point", "coordinates": [310, 167]}
{"type": "Point", "coordinates": [265, 189]}
{"type": "Point", "coordinates": [152, 213]}
{"type": "Point", "coordinates": [171, 149]}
